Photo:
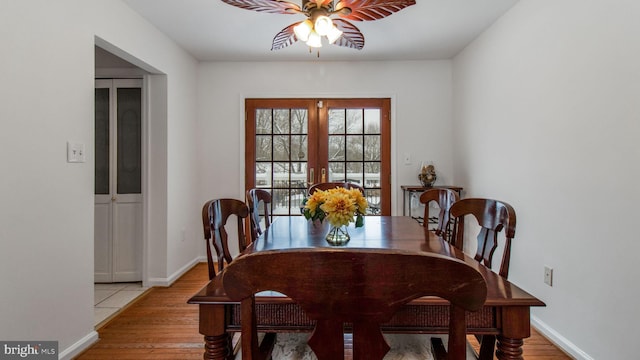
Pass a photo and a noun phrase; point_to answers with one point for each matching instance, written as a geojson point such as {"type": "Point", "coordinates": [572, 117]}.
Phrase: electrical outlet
{"type": "Point", "coordinates": [548, 276]}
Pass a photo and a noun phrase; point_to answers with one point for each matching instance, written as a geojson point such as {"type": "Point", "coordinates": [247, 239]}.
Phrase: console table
{"type": "Point", "coordinates": [407, 190]}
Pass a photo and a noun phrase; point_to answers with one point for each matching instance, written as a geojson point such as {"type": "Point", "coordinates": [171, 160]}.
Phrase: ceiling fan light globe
{"type": "Point", "coordinates": [303, 29]}
{"type": "Point", "coordinates": [323, 25]}
{"type": "Point", "coordinates": [333, 35]}
{"type": "Point", "coordinates": [314, 40]}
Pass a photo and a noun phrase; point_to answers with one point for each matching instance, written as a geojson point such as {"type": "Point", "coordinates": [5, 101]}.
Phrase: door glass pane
{"type": "Point", "coordinates": [372, 147]}
{"type": "Point", "coordinates": [281, 121]}
{"type": "Point", "coordinates": [263, 175]}
{"type": "Point", "coordinates": [263, 147]}
{"type": "Point", "coordinates": [263, 121]}
{"type": "Point", "coordinates": [336, 121]}
{"type": "Point", "coordinates": [337, 172]}
{"type": "Point", "coordinates": [129, 159]}
{"type": "Point", "coordinates": [336, 147]}
{"type": "Point", "coordinates": [102, 141]}
{"type": "Point", "coordinates": [354, 173]}
{"type": "Point", "coordinates": [281, 156]}
{"type": "Point", "coordinates": [372, 121]}
{"type": "Point", "coordinates": [354, 121]}
{"type": "Point", "coordinates": [354, 148]}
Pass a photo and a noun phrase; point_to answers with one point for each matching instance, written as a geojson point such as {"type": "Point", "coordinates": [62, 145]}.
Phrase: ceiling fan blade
{"type": "Point", "coordinates": [268, 6]}
{"type": "Point", "coordinates": [351, 35]}
{"type": "Point", "coordinates": [367, 10]}
{"type": "Point", "coordinates": [284, 38]}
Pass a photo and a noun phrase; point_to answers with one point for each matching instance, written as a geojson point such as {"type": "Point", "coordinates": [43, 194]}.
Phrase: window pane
{"type": "Point", "coordinates": [299, 147]}
{"type": "Point", "coordinates": [336, 121]}
{"type": "Point", "coordinates": [280, 201]}
{"type": "Point", "coordinates": [372, 147]}
{"type": "Point", "coordinates": [281, 148]}
{"type": "Point", "coordinates": [129, 166]}
{"type": "Point", "coordinates": [372, 121]}
{"type": "Point", "coordinates": [263, 147]}
{"type": "Point", "coordinates": [354, 173]}
{"type": "Point", "coordinates": [281, 174]}
{"type": "Point", "coordinates": [281, 121]}
{"type": "Point", "coordinates": [336, 172]}
{"type": "Point", "coordinates": [299, 175]}
{"type": "Point", "coordinates": [354, 121]}
{"type": "Point", "coordinates": [299, 121]}
{"type": "Point", "coordinates": [263, 121]}
{"type": "Point", "coordinates": [372, 174]}
{"type": "Point", "coordinates": [102, 141]}
{"type": "Point", "coordinates": [263, 174]}
{"type": "Point", "coordinates": [336, 147]}
{"type": "Point", "coordinates": [373, 198]}
{"type": "Point", "coordinates": [354, 148]}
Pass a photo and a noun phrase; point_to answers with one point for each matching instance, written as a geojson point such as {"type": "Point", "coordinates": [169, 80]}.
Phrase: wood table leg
{"type": "Point", "coordinates": [509, 349]}
{"type": "Point", "coordinates": [217, 341]}
{"type": "Point", "coordinates": [516, 326]}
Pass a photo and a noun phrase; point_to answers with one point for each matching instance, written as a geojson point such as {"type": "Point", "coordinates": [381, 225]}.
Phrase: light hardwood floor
{"type": "Point", "coordinates": [160, 325]}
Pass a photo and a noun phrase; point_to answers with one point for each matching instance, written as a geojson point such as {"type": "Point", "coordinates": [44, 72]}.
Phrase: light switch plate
{"type": "Point", "coordinates": [75, 152]}
{"type": "Point", "coordinates": [407, 159]}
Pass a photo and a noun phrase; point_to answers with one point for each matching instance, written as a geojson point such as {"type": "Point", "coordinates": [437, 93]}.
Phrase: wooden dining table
{"type": "Point", "coordinates": [506, 312]}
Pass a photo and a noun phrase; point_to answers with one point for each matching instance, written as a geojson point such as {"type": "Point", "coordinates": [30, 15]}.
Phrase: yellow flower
{"type": "Point", "coordinates": [338, 206]}
{"type": "Point", "coordinates": [314, 201]}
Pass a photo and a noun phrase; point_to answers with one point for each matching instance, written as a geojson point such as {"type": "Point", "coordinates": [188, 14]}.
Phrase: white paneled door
{"type": "Point", "coordinates": [118, 180]}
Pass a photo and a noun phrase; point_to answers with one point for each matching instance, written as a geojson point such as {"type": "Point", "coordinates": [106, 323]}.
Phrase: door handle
{"type": "Point", "coordinates": [323, 173]}
{"type": "Point", "coordinates": [113, 198]}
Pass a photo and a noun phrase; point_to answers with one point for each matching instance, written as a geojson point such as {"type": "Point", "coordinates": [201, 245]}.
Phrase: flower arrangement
{"type": "Point", "coordinates": [339, 206]}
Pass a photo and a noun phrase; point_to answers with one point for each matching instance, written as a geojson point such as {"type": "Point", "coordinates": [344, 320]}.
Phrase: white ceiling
{"type": "Point", "coordinates": [211, 30]}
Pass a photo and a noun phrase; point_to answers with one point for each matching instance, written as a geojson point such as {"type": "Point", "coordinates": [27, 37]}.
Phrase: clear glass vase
{"type": "Point", "coordinates": [338, 235]}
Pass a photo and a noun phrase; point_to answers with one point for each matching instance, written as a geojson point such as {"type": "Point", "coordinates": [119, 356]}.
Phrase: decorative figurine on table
{"type": "Point", "coordinates": [427, 175]}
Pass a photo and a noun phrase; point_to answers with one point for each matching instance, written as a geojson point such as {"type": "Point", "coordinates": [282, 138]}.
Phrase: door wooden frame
{"type": "Point", "coordinates": [315, 147]}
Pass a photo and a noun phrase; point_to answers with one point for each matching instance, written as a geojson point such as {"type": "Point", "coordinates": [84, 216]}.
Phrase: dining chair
{"type": "Point", "coordinates": [338, 286]}
{"type": "Point", "coordinates": [215, 214]}
{"type": "Point", "coordinates": [332, 185]}
{"type": "Point", "coordinates": [445, 199]}
{"type": "Point", "coordinates": [254, 197]}
{"type": "Point", "coordinates": [492, 216]}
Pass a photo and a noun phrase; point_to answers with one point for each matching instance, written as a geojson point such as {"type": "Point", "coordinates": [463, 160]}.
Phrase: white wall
{"type": "Point", "coordinates": [421, 111]}
{"type": "Point", "coordinates": [546, 117]}
{"type": "Point", "coordinates": [46, 204]}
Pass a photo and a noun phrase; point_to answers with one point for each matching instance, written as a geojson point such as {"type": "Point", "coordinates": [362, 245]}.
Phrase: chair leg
{"type": "Point", "coordinates": [438, 349]}
{"type": "Point", "coordinates": [487, 347]}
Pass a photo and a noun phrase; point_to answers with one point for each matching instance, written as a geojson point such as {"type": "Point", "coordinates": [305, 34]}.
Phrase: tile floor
{"type": "Point", "coordinates": [110, 298]}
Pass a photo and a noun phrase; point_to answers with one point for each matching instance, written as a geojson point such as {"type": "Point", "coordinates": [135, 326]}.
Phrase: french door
{"type": "Point", "coordinates": [294, 143]}
{"type": "Point", "coordinates": [118, 180]}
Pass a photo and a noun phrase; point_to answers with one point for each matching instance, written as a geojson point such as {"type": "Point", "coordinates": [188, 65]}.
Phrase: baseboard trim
{"type": "Point", "coordinates": [166, 282]}
{"type": "Point", "coordinates": [560, 341]}
{"type": "Point", "coordinates": [80, 346]}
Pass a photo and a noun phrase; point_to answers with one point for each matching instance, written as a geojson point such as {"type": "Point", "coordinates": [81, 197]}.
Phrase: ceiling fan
{"type": "Point", "coordinates": [319, 24]}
